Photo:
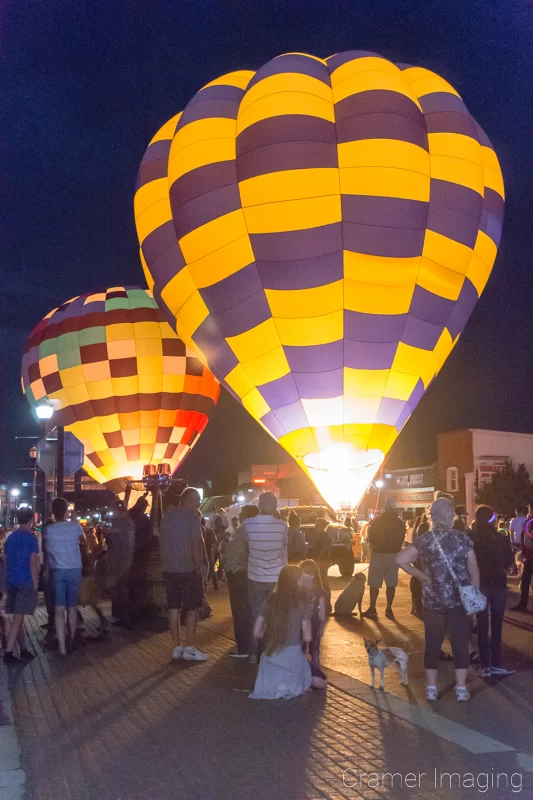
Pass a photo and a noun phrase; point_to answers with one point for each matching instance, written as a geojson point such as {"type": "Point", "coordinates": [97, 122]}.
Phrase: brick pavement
{"type": "Point", "coordinates": [118, 720]}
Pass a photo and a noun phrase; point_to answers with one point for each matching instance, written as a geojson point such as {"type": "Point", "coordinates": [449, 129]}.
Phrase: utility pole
{"type": "Point", "coordinates": [60, 460]}
{"type": "Point", "coordinates": [33, 455]}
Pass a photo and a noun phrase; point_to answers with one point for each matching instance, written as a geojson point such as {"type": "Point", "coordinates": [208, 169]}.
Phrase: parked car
{"type": "Point", "coordinates": [308, 514]}
{"type": "Point", "coordinates": [341, 548]}
{"type": "Point", "coordinates": [341, 537]}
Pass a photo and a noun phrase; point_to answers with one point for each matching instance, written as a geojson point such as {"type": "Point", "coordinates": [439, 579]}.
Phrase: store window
{"type": "Point", "coordinates": [452, 479]}
{"type": "Point", "coordinates": [88, 484]}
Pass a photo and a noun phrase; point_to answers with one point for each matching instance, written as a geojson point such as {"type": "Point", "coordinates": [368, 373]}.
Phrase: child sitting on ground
{"type": "Point", "coordinates": [283, 625]}
{"type": "Point", "coordinates": [314, 598]}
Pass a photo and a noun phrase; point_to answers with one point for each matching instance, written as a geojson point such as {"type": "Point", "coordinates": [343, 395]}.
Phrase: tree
{"type": "Point", "coordinates": [508, 489]}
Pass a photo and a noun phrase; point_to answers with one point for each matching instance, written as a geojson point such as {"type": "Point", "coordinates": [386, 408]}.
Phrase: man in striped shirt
{"type": "Point", "coordinates": [267, 548]}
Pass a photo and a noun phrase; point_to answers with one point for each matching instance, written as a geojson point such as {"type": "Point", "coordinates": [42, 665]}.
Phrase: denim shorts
{"type": "Point", "coordinates": [66, 585]}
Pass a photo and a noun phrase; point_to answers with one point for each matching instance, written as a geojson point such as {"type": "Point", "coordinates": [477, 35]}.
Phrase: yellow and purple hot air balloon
{"type": "Point", "coordinates": [121, 381]}
{"type": "Point", "coordinates": [320, 230]}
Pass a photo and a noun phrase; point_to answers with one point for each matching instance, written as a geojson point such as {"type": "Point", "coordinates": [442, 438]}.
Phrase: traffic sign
{"type": "Point", "coordinates": [46, 454]}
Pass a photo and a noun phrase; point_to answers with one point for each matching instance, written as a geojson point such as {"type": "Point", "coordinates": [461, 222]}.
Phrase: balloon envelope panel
{"type": "Point", "coordinates": [320, 230]}
{"type": "Point", "coordinates": [120, 380]}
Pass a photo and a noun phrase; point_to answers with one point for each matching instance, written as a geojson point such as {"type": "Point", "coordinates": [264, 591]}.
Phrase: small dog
{"type": "Point", "coordinates": [351, 596]}
{"type": "Point", "coordinates": [381, 659]}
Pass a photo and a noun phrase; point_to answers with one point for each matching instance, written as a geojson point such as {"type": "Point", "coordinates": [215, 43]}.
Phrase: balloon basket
{"type": "Point", "coordinates": [148, 599]}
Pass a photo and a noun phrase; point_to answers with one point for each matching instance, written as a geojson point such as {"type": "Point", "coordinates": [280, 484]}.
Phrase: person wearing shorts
{"type": "Point", "coordinates": [21, 553]}
{"type": "Point", "coordinates": [182, 550]}
{"type": "Point", "coordinates": [386, 535]}
{"type": "Point", "coordinates": [62, 544]}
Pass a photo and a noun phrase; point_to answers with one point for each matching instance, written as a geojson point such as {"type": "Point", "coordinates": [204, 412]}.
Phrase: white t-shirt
{"type": "Point", "coordinates": [267, 542]}
{"type": "Point", "coordinates": [516, 527]}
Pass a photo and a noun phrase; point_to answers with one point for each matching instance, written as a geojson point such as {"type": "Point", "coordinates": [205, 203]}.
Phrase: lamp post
{"type": "Point", "coordinates": [13, 493]}
{"type": "Point", "coordinates": [60, 460]}
{"type": "Point", "coordinates": [33, 455]}
{"type": "Point", "coordinates": [44, 411]}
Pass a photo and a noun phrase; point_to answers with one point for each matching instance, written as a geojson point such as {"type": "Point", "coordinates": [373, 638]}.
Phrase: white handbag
{"type": "Point", "coordinates": [472, 599]}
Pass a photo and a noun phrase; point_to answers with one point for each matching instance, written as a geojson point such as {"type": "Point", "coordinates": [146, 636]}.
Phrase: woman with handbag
{"type": "Point", "coordinates": [450, 593]}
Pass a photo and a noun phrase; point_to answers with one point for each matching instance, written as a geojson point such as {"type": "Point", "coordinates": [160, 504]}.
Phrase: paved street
{"type": "Point", "coordinates": [118, 720]}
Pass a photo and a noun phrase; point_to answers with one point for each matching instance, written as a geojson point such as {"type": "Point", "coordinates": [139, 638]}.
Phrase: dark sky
{"type": "Point", "coordinates": [86, 85]}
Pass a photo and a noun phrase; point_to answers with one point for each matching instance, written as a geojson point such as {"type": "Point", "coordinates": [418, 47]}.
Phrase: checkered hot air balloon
{"type": "Point", "coordinates": [321, 230]}
{"type": "Point", "coordinates": [121, 381]}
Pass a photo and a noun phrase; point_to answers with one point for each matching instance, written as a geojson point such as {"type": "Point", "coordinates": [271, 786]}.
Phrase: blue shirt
{"type": "Point", "coordinates": [18, 549]}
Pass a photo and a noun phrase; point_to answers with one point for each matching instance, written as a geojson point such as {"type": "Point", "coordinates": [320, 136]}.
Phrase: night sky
{"type": "Point", "coordinates": [86, 85]}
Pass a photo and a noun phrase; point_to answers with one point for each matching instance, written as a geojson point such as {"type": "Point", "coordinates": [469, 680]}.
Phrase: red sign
{"type": "Point", "coordinates": [488, 467]}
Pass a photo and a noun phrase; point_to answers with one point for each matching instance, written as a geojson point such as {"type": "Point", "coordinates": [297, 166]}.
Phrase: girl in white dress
{"type": "Point", "coordinates": [283, 625]}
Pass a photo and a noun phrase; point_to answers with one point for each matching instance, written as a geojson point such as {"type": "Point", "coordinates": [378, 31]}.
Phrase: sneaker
{"type": "Point", "coordinates": [235, 654]}
{"type": "Point", "coordinates": [519, 607]}
{"type": "Point", "coordinates": [9, 658]}
{"type": "Point", "coordinates": [502, 671]}
{"type": "Point", "coordinates": [370, 612]}
{"type": "Point", "coordinates": [177, 653]}
{"type": "Point", "coordinates": [25, 655]}
{"type": "Point", "coordinates": [431, 693]}
{"type": "Point", "coordinates": [390, 613]}
{"type": "Point", "coordinates": [484, 672]}
{"type": "Point", "coordinates": [462, 694]}
{"type": "Point", "coordinates": [193, 654]}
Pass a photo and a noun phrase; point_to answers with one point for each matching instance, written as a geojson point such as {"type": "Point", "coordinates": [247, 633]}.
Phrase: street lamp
{"type": "Point", "coordinates": [44, 410]}
{"type": "Point", "coordinates": [11, 500]}
{"type": "Point", "coordinates": [380, 484]}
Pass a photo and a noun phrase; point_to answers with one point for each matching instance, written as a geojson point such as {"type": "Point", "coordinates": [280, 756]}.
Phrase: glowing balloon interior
{"type": "Point", "coordinates": [121, 380]}
{"type": "Point", "coordinates": [320, 231]}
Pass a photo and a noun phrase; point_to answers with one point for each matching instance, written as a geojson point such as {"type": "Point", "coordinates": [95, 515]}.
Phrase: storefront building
{"type": "Point", "coordinates": [411, 489]}
{"type": "Point", "coordinates": [469, 458]}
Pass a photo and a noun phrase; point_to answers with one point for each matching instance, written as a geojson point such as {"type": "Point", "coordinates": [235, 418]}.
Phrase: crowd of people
{"type": "Point", "coordinates": [445, 556]}
{"type": "Point", "coordinates": [278, 609]}
{"type": "Point", "coordinates": [74, 567]}
{"type": "Point", "coordinates": [278, 603]}
{"type": "Point", "coordinates": [278, 583]}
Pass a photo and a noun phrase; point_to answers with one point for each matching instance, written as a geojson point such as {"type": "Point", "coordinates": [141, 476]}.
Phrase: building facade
{"type": "Point", "coordinates": [411, 489]}
{"type": "Point", "coordinates": [469, 458]}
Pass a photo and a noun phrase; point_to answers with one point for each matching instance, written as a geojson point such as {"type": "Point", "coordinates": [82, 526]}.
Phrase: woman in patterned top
{"type": "Point", "coordinates": [443, 609]}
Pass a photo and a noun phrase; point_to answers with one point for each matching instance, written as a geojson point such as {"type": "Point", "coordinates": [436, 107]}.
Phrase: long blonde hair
{"type": "Point", "coordinates": [281, 601]}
